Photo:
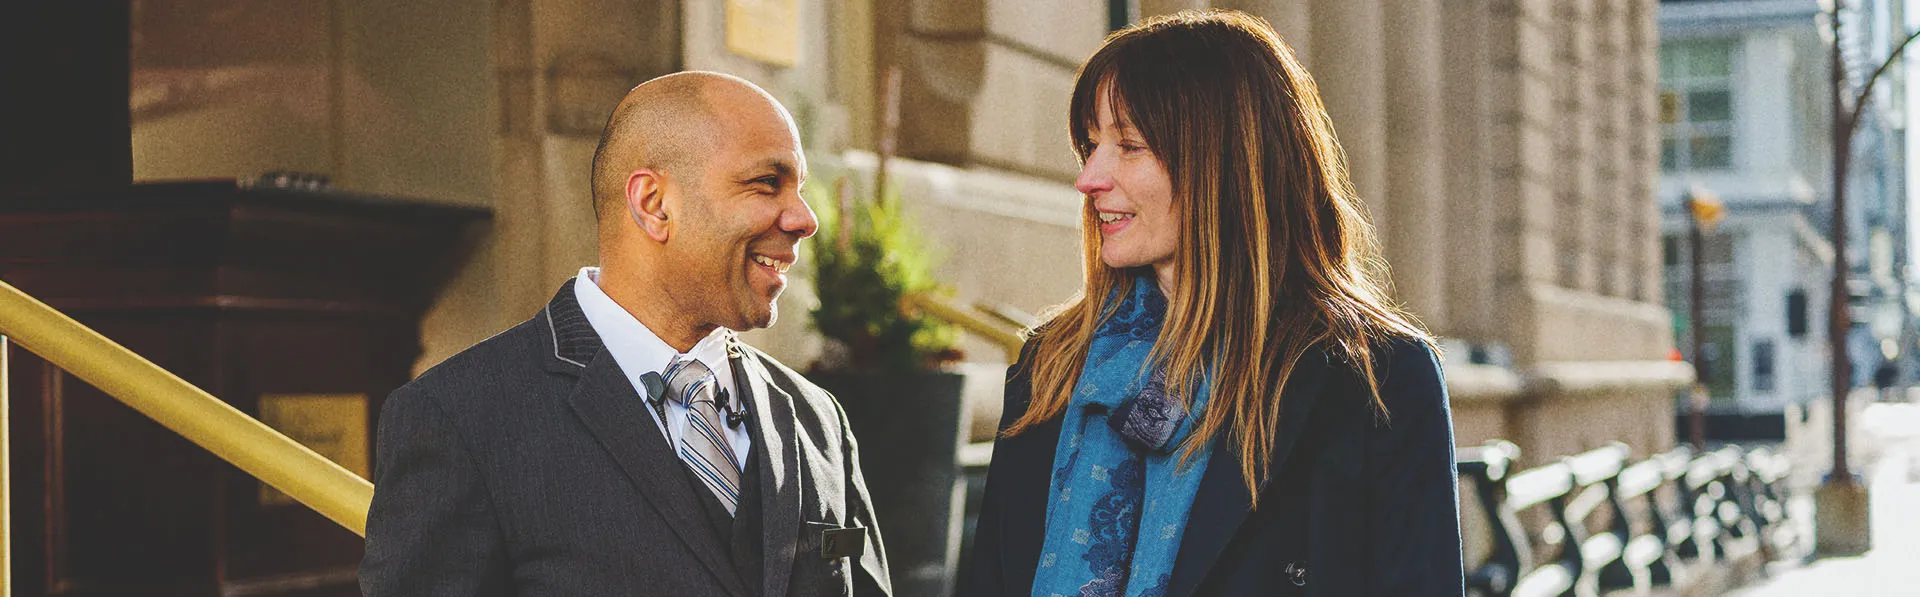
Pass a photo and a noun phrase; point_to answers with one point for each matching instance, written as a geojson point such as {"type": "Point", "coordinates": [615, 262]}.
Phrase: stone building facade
{"type": "Point", "coordinates": [1509, 164]}
{"type": "Point", "coordinates": [1507, 148]}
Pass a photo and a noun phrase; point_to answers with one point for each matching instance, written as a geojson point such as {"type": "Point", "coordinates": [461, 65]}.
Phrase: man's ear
{"type": "Point", "coordinates": [646, 199]}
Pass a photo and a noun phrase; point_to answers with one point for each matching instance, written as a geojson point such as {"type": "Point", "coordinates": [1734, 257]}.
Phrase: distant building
{"type": "Point", "coordinates": [1746, 116]}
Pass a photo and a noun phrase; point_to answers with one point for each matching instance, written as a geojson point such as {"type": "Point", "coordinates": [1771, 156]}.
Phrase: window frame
{"type": "Point", "coordinates": [1765, 366]}
{"type": "Point", "coordinates": [1678, 86]}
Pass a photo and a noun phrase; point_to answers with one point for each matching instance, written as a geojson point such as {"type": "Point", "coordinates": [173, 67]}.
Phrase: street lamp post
{"type": "Point", "coordinates": [1703, 211]}
{"type": "Point", "coordinates": [1841, 502]}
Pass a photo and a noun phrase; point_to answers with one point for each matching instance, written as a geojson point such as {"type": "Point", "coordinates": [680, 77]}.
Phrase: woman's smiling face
{"type": "Point", "coordinates": [1130, 192]}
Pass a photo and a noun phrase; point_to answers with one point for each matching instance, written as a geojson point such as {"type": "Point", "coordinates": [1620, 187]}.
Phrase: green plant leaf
{"type": "Point", "coordinates": [866, 259]}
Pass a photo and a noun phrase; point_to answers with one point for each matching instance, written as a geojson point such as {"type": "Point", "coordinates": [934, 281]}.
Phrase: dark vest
{"type": "Point", "coordinates": [742, 532]}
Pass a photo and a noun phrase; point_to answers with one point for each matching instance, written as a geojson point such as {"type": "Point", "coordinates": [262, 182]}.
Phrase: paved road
{"type": "Point", "coordinates": [1889, 454]}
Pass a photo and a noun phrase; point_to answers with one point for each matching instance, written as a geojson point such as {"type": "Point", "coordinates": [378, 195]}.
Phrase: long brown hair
{"type": "Point", "coordinates": [1276, 257]}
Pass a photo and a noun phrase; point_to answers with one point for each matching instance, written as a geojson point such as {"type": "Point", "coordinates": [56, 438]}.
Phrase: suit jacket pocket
{"type": "Point", "coordinates": [813, 572]}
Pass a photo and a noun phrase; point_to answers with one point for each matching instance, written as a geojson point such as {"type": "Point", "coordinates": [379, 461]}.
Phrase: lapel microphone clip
{"type": "Point", "coordinates": [736, 410]}
{"type": "Point", "coordinates": [655, 387]}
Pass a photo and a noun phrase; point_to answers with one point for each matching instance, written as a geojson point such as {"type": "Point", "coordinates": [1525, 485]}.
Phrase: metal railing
{"type": "Point", "coordinates": [1726, 506]}
{"type": "Point", "coordinates": [231, 435]}
{"type": "Point", "coordinates": [252, 446]}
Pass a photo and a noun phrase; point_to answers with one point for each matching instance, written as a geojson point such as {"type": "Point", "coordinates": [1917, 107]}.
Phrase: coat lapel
{"type": "Point", "coordinates": [1221, 504]}
{"type": "Point", "coordinates": [779, 474]}
{"type": "Point", "coordinates": [615, 414]}
{"type": "Point", "coordinates": [1027, 473]}
{"type": "Point", "coordinates": [571, 341]}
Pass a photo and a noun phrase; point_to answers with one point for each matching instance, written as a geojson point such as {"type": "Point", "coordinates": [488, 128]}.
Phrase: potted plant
{"type": "Point", "coordinates": [885, 364]}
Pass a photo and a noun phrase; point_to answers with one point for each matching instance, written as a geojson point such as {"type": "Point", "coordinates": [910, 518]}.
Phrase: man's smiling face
{"type": "Point", "coordinates": [739, 221]}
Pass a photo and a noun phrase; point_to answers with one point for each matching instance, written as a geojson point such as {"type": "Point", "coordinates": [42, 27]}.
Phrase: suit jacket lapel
{"type": "Point", "coordinates": [779, 474]}
{"type": "Point", "coordinates": [615, 414]}
{"type": "Point", "coordinates": [571, 341]}
{"type": "Point", "coordinates": [607, 403]}
{"type": "Point", "coordinates": [1222, 502]}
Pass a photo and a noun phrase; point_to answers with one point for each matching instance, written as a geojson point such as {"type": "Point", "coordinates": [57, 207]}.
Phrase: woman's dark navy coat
{"type": "Point", "coordinates": [1356, 506]}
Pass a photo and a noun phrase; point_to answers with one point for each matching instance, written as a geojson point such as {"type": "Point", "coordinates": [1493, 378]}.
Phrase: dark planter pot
{"type": "Point", "coordinates": [910, 431]}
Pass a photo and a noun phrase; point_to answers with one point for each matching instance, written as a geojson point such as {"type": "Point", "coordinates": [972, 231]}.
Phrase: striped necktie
{"type": "Point", "coordinates": [702, 445]}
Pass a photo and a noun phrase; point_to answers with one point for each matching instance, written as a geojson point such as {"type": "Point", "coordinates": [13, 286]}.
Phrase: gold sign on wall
{"type": "Point", "coordinates": [333, 425]}
{"type": "Point", "coordinates": [765, 30]}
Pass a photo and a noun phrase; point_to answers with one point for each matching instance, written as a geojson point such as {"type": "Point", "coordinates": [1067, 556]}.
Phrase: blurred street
{"type": "Point", "coordinates": [1889, 457]}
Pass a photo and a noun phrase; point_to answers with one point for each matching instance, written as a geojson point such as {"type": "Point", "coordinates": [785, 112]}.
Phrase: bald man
{"type": "Point", "coordinates": [622, 441]}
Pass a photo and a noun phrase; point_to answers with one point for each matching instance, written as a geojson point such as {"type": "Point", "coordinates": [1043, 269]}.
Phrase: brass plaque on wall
{"type": "Point", "coordinates": [334, 425]}
{"type": "Point", "coordinates": [765, 30]}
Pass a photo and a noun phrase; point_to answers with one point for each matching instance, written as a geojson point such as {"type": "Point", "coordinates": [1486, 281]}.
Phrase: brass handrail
{"type": "Point", "coordinates": [999, 335]}
{"type": "Point", "coordinates": [334, 492]}
{"type": "Point", "coordinates": [1005, 314]}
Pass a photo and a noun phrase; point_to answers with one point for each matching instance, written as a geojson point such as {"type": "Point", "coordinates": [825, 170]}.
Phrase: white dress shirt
{"type": "Point", "coordinates": [638, 350]}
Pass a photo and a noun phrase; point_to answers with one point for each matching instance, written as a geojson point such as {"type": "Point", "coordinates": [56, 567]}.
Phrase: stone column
{"type": "Point", "coordinates": [1521, 145]}
{"type": "Point", "coordinates": [1032, 52]}
{"type": "Point", "coordinates": [1416, 194]}
{"type": "Point", "coordinates": [1643, 167]}
{"type": "Point", "coordinates": [1289, 18]}
{"type": "Point", "coordinates": [1605, 95]}
{"type": "Point", "coordinates": [1574, 170]}
{"type": "Point", "coordinates": [856, 75]}
{"type": "Point", "coordinates": [518, 166]}
{"type": "Point", "coordinates": [939, 51]}
{"type": "Point", "coordinates": [1470, 217]}
{"type": "Point", "coordinates": [1150, 8]}
{"type": "Point", "coordinates": [561, 68]}
{"type": "Point", "coordinates": [1349, 65]}
{"type": "Point", "coordinates": [1619, 94]}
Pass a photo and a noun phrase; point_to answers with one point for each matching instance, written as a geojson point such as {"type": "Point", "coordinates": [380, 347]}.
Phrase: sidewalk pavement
{"type": "Point", "coordinates": [1892, 567]}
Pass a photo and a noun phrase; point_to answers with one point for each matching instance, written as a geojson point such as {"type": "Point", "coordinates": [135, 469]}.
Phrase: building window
{"type": "Point", "coordinates": [1763, 366]}
{"type": "Point", "coordinates": [1797, 314]}
{"type": "Point", "coordinates": [1715, 365]}
{"type": "Point", "coordinates": [1696, 104]}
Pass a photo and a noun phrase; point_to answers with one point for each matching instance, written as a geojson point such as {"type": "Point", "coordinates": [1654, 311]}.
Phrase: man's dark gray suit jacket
{"type": "Point", "coordinates": [528, 465]}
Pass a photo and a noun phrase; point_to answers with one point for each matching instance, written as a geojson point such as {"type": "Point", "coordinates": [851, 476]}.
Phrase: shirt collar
{"type": "Point", "coordinates": [634, 346]}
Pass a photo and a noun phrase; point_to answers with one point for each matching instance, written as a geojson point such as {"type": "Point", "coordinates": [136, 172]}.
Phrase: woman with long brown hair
{"type": "Point", "coordinates": [1233, 405]}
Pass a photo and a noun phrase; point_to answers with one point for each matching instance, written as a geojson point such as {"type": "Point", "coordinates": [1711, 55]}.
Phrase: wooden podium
{"type": "Point", "coordinates": [301, 308]}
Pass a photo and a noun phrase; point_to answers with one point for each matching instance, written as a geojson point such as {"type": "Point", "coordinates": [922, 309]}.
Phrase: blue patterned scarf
{"type": "Point", "coordinates": [1118, 504]}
